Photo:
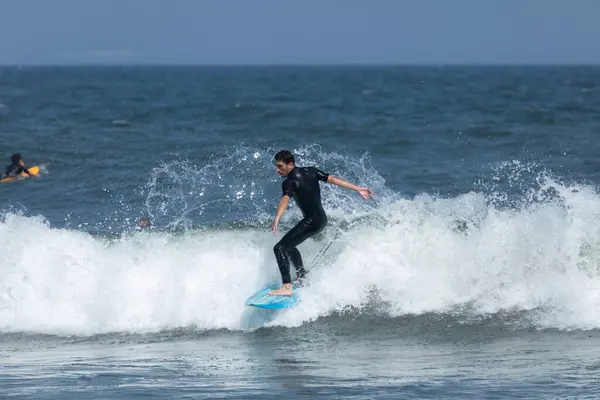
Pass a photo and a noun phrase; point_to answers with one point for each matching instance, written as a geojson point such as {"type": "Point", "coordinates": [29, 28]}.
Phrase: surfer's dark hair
{"type": "Point", "coordinates": [15, 158]}
{"type": "Point", "coordinates": [285, 156]}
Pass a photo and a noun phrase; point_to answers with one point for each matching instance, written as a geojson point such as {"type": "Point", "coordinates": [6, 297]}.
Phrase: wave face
{"type": "Point", "coordinates": [521, 242]}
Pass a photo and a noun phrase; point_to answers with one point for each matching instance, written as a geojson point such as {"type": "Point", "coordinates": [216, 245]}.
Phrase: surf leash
{"type": "Point", "coordinates": [321, 252]}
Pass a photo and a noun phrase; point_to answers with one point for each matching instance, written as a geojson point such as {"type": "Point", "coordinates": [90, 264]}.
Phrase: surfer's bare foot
{"type": "Point", "coordinates": [285, 290]}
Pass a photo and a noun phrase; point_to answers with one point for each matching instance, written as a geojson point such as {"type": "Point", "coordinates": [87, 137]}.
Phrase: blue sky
{"type": "Point", "coordinates": [299, 32]}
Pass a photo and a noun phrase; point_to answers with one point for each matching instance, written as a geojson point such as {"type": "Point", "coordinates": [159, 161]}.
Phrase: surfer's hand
{"type": "Point", "coordinates": [274, 228]}
{"type": "Point", "coordinates": [365, 193]}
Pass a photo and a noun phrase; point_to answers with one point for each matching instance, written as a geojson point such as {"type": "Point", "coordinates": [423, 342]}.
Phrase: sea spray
{"type": "Point", "coordinates": [522, 243]}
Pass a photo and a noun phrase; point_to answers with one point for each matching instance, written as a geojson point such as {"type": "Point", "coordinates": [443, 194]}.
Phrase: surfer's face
{"type": "Point", "coordinates": [283, 169]}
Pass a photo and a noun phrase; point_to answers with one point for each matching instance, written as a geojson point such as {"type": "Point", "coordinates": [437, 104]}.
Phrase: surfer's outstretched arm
{"type": "Point", "coordinates": [363, 191]}
{"type": "Point", "coordinates": [283, 204]}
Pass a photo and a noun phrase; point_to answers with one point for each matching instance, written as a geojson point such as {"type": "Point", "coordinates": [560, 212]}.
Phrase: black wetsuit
{"type": "Point", "coordinates": [14, 170]}
{"type": "Point", "coordinates": [302, 184]}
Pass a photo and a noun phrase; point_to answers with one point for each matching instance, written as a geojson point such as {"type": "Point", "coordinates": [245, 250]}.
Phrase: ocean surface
{"type": "Point", "coordinates": [473, 273]}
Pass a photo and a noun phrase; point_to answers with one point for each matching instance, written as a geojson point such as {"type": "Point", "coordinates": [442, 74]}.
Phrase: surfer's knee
{"type": "Point", "coordinates": [279, 248]}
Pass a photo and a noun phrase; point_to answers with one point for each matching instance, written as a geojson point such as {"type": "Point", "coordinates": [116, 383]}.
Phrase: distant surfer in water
{"type": "Point", "coordinates": [144, 222]}
{"type": "Point", "coordinates": [16, 166]}
{"type": "Point", "coordinates": [301, 183]}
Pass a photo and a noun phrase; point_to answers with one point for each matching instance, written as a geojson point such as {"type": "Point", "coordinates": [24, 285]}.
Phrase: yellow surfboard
{"type": "Point", "coordinates": [35, 170]}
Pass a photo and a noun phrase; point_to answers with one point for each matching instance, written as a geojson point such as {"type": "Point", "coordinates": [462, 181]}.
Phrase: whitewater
{"type": "Point", "coordinates": [474, 256]}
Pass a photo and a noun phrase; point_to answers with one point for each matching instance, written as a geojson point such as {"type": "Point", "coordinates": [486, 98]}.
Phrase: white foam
{"type": "Point", "coordinates": [416, 256]}
{"type": "Point", "coordinates": [61, 281]}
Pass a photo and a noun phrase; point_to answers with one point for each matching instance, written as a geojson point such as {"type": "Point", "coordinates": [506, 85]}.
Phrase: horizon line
{"type": "Point", "coordinates": [347, 64]}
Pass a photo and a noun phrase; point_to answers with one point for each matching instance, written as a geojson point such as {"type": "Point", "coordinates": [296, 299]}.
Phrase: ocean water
{"type": "Point", "coordinates": [473, 273]}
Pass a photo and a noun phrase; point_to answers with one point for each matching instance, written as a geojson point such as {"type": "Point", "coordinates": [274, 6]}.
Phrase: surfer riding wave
{"type": "Point", "coordinates": [301, 184]}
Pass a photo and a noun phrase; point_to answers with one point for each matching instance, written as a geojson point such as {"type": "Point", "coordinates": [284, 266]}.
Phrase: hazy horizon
{"type": "Point", "coordinates": [298, 65]}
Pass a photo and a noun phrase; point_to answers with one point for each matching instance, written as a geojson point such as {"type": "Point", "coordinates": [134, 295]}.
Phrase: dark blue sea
{"type": "Point", "coordinates": [473, 273]}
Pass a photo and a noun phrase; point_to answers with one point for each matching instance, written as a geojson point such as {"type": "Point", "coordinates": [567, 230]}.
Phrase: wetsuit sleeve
{"type": "Point", "coordinates": [287, 187]}
{"type": "Point", "coordinates": [322, 176]}
{"type": "Point", "coordinates": [21, 170]}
